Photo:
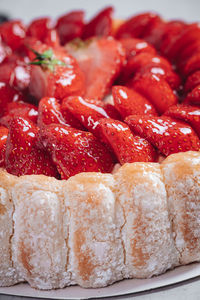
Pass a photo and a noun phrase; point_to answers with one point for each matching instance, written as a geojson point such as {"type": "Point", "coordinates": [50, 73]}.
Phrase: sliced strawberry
{"type": "Point", "coordinates": [19, 109]}
{"type": "Point", "coordinates": [156, 90]}
{"type": "Point", "coordinates": [186, 52]}
{"type": "Point", "coordinates": [166, 134]}
{"type": "Point", "coordinates": [129, 102]}
{"type": "Point", "coordinates": [13, 33]}
{"type": "Point", "coordinates": [49, 112]}
{"type": "Point", "coordinates": [39, 28]}
{"type": "Point", "coordinates": [136, 26]}
{"type": "Point", "coordinates": [100, 25]}
{"type": "Point", "coordinates": [69, 117]}
{"type": "Point", "coordinates": [192, 81]}
{"type": "Point", "coordinates": [134, 46]}
{"type": "Point", "coordinates": [3, 139]}
{"type": "Point", "coordinates": [5, 52]}
{"type": "Point", "coordinates": [52, 38]}
{"type": "Point", "coordinates": [127, 147]}
{"type": "Point", "coordinates": [154, 32]}
{"type": "Point", "coordinates": [74, 151]}
{"type": "Point", "coordinates": [193, 97]}
{"type": "Point", "coordinates": [192, 64]}
{"type": "Point", "coordinates": [7, 95]}
{"type": "Point", "coordinates": [70, 26]}
{"type": "Point", "coordinates": [22, 153]}
{"type": "Point", "coordinates": [187, 113]}
{"type": "Point", "coordinates": [101, 61]}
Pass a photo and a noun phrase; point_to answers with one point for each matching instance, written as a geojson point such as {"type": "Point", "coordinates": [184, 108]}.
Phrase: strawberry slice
{"type": "Point", "coordinates": [101, 61]}
{"type": "Point", "coordinates": [54, 72]}
{"type": "Point", "coordinates": [187, 113]}
{"type": "Point", "coordinates": [192, 81]}
{"type": "Point", "coordinates": [192, 64]}
{"type": "Point", "coordinates": [74, 151]}
{"type": "Point", "coordinates": [7, 95]}
{"type": "Point", "coordinates": [22, 153]}
{"type": "Point", "coordinates": [127, 147]}
{"type": "Point", "coordinates": [100, 25]}
{"type": "Point", "coordinates": [49, 112]}
{"type": "Point", "coordinates": [70, 26]}
{"type": "Point", "coordinates": [39, 28]}
{"type": "Point", "coordinates": [5, 52]}
{"type": "Point", "coordinates": [13, 33]}
{"type": "Point", "coordinates": [19, 109]}
{"type": "Point", "coordinates": [193, 97]}
{"type": "Point", "coordinates": [156, 90]}
{"type": "Point", "coordinates": [134, 46]}
{"type": "Point", "coordinates": [186, 52]}
{"type": "Point", "coordinates": [166, 134]}
{"type": "Point", "coordinates": [3, 139]}
{"type": "Point", "coordinates": [129, 102]}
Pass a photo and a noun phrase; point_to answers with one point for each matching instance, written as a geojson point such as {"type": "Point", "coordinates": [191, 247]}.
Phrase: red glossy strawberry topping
{"type": "Point", "coordinates": [3, 139]}
{"type": "Point", "coordinates": [22, 153]}
{"type": "Point", "coordinates": [166, 134]}
{"type": "Point", "coordinates": [13, 33]}
{"type": "Point", "coordinates": [193, 97]}
{"type": "Point", "coordinates": [74, 151]}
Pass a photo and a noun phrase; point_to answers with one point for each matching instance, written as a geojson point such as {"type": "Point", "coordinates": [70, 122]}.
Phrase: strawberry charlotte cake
{"type": "Point", "coordinates": [99, 149]}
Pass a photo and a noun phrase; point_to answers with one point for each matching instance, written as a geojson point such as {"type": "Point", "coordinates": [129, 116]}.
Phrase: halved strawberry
{"type": "Point", "coordinates": [5, 52]}
{"type": "Point", "coordinates": [129, 102]}
{"type": "Point", "coordinates": [49, 112]}
{"type": "Point", "coordinates": [13, 33]}
{"type": "Point", "coordinates": [100, 25]}
{"type": "Point", "coordinates": [193, 97]}
{"type": "Point", "coordinates": [7, 95]}
{"type": "Point", "coordinates": [136, 26]}
{"type": "Point", "coordinates": [19, 109]}
{"type": "Point", "coordinates": [187, 113]}
{"type": "Point", "coordinates": [3, 139]}
{"type": "Point", "coordinates": [192, 64]}
{"type": "Point", "coordinates": [186, 52]}
{"type": "Point", "coordinates": [192, 81]}
{"type": "Point", "coordinates": [101, 61]}
{"type": "Point", "coordinates": [39, 28]}
{"type": "Point", "coordinates": [127, 147]}
{"type": "Point", "coordinates": [54, 72]}
{"type": "Point", "coordinates": [166, 134]}
{"type": "Point", "coordinates": [74, 151]}
{"type": "Point", "coordinates": [156, 90]}
{"type": "Point", "coordinates": [70, 26]}
{"type": "Point", "coordinates": [22, 153]}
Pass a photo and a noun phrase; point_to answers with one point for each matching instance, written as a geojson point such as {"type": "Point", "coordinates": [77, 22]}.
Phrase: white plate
{"type": "Point", "coordinates": [123, 287]}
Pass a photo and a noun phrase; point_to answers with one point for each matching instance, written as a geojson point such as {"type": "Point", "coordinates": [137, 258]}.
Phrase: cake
{"type": "Point", "coordinates": [100, 149]}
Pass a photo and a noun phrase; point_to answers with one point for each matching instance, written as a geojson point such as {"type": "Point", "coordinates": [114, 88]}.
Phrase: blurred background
{"type": "Point", "coordinates": [189, 10]}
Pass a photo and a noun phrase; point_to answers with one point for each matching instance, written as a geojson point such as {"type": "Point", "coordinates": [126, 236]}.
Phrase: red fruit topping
{"type": "Point", "coordinates": [101, 61]}
{"type": "Point", "coordinates": [192, 64]}
{"type": "Point", "coordinates": [168, 135]}
{"type": "Point", "coordinates": [156, 90]}
{"type": "Point", "coordinates": [187, 52]}
{"type": "Point", "coordinates": [69, 117]}
{"type": "Point", "coordinates": [52, 39]}
{"type": "Point", "coordinates": [5, 52]}
{"type": "Point", "coordinates": [13, 33]}
{"type": "Point", "coordinates": [127, 147]}
{"type": "Point", "coordinates": [74, 151]}
{"type": "Point", "coordinates": [136, 26]}
{"type": "Point", "coordinates": [70, 26]}
{"type": "Point", "coordinates": [3, 139]}
{"type": "Point", "coordinates": [192, 81]}
{"type": "Point", "coordinates": [7, 95]}
{"type": "Point", "coordinates": [129, 102]}
{"type": "Point", "coordinates": [187, 113]}
{"type": "Point", "coordinates": [39, 28]}
{"type": "Point", "coordinates": [100, 25]}
{"type": "Point", "coordinates": [49, 112]}
{"type": "Point", "coordinates": [22, 153]}
{"type": "Point", "coordinates": [135, 46]}
{"type": "Point", "coordinates": [193, 97]}
{"type": "Point", "coordinates": [19, 109]}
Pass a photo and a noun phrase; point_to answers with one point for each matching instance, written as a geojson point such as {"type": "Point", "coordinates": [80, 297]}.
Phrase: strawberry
{"type": "Point", "coordinates": [100, 25]}
{"type": "Point", "coordinates": [19, 109]}
{"type": "Point", "coordinates": [13, 33]}
{"type": "Point", "coordinates": [166, 134]}
{"type": "Point", "coordinates": [134, 46]}
{"type": "Point", "coordinates": [54, 72]}
{"type": "Point", "coordinates": [70, 26]}
{"type": "Point", "coordinates": [3, 139]}
{"type": "Point", "coordinates": [49, 112]}
{"type": "Point", "coordinates": [127, 147]}
{"type": "Point", "coordinates": [7, 95]}
{"type": "Point", "coordinates": [74, 151]}
{"type": "Point", "coordinates": [52, 39]}
{"type": "Point", "coordinates": [136, 26]}
{"type": "Point", "coordinates": [192, 81]}
{"type": "Point", "coordinates": [23, 156]}
{"type": "Point", "coordinates": [69, 117]}
{"type": "Point", "coordinates": [5, 52]}
{"type": "Point", "coordinates": [129, 102]}
{"type": "Point", "coordinates": [156, 90]}
{"type": "Point", "coordinates": [39, 28]}
{"type": "Point", "coordinates": [193, 97]}
{"type": "Point", "coordinates": [186, 113]}
{"type": "Point", "coordinates": [186, 52]}
{"type": "Point", "coordinates": [154, 32]}
{"type": "Point", "coordinates": [192, 64]}
{"type": "Point", "coordinates": [101, 61]}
